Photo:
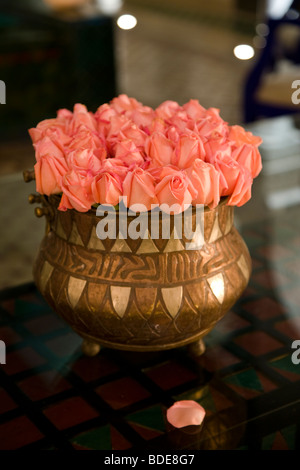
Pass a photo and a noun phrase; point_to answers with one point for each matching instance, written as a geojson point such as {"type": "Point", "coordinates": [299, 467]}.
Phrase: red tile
{"type": "Point", "coordinates": [45, 324]}
{"type": "Point", "coordinates": [258, 343]}
{"type": "Point", "coordinates": [217, 358]}
{"type": "Point", "coordinates": [122, 392]}
{"type": "Point", "coordinates": [279, 443]}
{"type": "Point", "coordinates": [170, 374]}
{"type": "Point", "coordinates": [267, 385]}
{"type": "Point", "coordinates": [290, 327]}
{"type": "Point", "coordinates": [70, 412]}
{"type": "Point", "coordinates": [118, 441]}
{"type": "Point", "coordinates": [93, 368]}
{"type": "Point", "coordinates": [22, 359]}
{"type": "Point", "coordinates": [221, 402]}
{"type": "Point", "coordinates": [264, 308]}
{"type": "Point", "coordinates": [44, 385]}
{"type": "Point", "coordinates": [9, 336]}
{"type": "Point", "coordinates": [18, 433]}
{"type": "Point", "coordinates": [6, 402]}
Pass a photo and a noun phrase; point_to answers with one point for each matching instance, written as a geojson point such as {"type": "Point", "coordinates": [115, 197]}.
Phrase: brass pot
{"type": "Point", "coordinates": [139, 295]}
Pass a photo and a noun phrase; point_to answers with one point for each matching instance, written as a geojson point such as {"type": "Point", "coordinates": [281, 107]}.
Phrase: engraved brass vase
{"type": "Point", "coordinates": [139, 295]}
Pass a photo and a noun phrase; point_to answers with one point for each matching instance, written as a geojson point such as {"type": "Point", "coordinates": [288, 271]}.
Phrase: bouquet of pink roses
{"type": "Point", "coordinates": [173, 155]}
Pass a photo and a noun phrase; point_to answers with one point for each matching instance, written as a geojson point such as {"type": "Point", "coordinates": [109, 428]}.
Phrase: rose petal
{"type": "Point", "coordinates": [185, 413]}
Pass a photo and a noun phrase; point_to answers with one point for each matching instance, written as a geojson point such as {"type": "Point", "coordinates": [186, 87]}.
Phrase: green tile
{"type": "Point", "coordinates": [247, 379]}
{"type": "Point", "coordinates": [149, 417]}
{"type": "Point", "coordinates": [285, 363]}
{"type": "Point", "coordinates": [96, 439]}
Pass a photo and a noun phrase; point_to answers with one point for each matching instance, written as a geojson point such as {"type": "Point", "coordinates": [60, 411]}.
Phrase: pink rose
{"type": "Point", "coordinates": [64, 115]}
{"type": "Point", "coordinates": [158, 125]}
{"type": "Point", "coordinates": [51, 127]}
{"type": "Point", "coordinates": [143, 116]}
{"type": "Point", "coordinates": [249, 157]}
{"type": "Point", "coordinates": [205, 179]}
{"type": "Point", "coordinates": [46, 146]}
{"type": "Point", "coordinates": [238, 181]}
{"type": "Point", "coordinates": [240, 136]}
{"type": "Point", "coordinates": [188, 148]}
{"type": "Point", "coordinates": [173, 134]}
{"type": "Point", "coordinates": [182, 123]}
{"type": "Point", "coordinates": [103, 116]}
{"type": "Point", "coordinates": [175, 189]}
{"type": "Point", "coordinates": [194, 110]}
{"type": "Point", "coordinates": [84, 160]}
{"type": "Point", "coordinates": [159, 149]}
{"type": "Point", "coordinates": [122, 128]}
{"type": "Point", "coordinates": [115, 166]}
{"type": "Point", "coordinates": [81, 117]}
{"type": "Point", "coordinates": [138, 188]}
{"type": "Point", "coordinates": [167, 109]}
{"type": "Point", "coordinates": [48, 174]}
{"type": "Point", "coordinates": [214, 147]}
{"type": "Point", "coordinates": [123, 103]}
{"type": "Point", "coordinates": [212, 125]}
{"type": "Point", "coordinates": [87, 139]}
{"type": "Point", "coordinates": [159, 172]}
{"type": "Point", "coordinates": [77, 194]}
{"type": "Point", "coordinates": [106, 188]}
{"type": "Point", "coordinates": [127, 152]}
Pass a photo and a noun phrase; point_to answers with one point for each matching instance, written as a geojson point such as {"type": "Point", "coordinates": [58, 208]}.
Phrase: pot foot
{"type": "Point", "coordinates": [197, 348]}
{"type": "Point", "coordinates": [89, 348]}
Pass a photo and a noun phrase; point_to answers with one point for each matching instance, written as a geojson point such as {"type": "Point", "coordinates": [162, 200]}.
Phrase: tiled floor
{"type": "Point", "coordinates": [246, 380]}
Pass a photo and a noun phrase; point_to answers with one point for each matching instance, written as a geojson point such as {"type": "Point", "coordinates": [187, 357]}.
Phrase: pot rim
{"type": "Point", "coordinates": [54, 199]}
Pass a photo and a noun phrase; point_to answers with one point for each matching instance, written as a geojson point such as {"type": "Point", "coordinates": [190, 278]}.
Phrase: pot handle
{"type": "Point", "coordinates": [28, 176]}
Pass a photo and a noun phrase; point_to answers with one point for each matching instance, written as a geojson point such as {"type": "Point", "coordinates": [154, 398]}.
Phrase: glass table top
{"type": "Point", "coordinates": [248, 380]}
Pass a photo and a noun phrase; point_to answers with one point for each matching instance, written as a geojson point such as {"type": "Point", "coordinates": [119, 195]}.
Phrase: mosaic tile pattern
{"type": "Point", "coordinates": [52, 397]}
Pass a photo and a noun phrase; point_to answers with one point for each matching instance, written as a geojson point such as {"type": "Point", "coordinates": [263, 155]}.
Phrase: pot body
{"type": "Point", "coordinates": [140, 294]}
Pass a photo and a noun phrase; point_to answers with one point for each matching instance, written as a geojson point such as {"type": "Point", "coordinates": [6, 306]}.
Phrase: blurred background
{"type": "Point", "coordinates": [241, 56]}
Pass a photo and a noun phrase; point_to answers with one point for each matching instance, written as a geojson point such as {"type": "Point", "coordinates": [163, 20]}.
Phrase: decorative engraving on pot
{"type": "Point", "coordinates": [174, 244]}
{"type": "Point", "coordinates": [144, 294]}
{"type": "Point", "coordinates": [216, 231]}
{"type": "Point", "coordinates": [75, 237]}
{"type": "Point", "coordinates": [120, 298]}
{"type": "Point", "coordinates": [94, 242]}
{"type": "Point", "coordinates": [75, 288]}
{"type": "Point", "coordinates": [172, 298]}
{"type": "Point", "coordinates": [121, 246]}
{"type": "Point", "coordinates": [217, 286]}
{"type": "Point", "coordinates": [242, 264]}
{"type": "Point", "coordinates": [147, 246]}
{"type": "Point", "coordinates": [45, 275]}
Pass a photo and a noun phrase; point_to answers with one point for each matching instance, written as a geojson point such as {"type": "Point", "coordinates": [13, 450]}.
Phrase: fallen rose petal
{"type": "Point", "coordinates": [185, 413]}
